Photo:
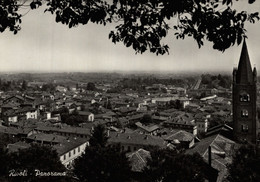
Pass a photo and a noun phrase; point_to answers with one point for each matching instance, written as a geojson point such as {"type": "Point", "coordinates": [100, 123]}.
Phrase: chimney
{"type": "Point", "coordinates": [209, 155]}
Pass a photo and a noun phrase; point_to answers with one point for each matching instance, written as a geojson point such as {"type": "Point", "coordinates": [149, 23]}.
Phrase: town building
{"type": "Point", "coordinates": [244, 100]}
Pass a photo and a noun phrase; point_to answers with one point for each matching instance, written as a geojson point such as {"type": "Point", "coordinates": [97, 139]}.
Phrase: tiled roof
{"type": "Point", "coordinates": [84, 113]}
{"type": "Point", "coordinates": [10, 105]}
{"type": "Point", "coordinates": [150, 128]}
{"type": "Point", "coordinates": [135, 139]}
{"type": "Point", "coordinates": [68, 145]}
{"type": "Point", "coordinates": [65, 129]}
{"type": "Point", "coordinates": [222, 150]}
{"type": "Point", "coordinates": [51, 138]}
{"type": "Point", "coordinates": [138, 159]}
{"type": "Point", "coordinates": [16, 146]}
{"type": "Point", "coordinates": [180, 136]}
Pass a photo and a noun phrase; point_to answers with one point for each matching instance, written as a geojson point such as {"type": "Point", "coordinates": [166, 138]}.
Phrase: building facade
{"type": "Point", "coordinates": [245, 122]}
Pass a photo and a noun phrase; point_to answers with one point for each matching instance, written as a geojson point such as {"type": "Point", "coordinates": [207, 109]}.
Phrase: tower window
{"type": "Point", "coordinates": [244, 113]}
{"type": "Point", "coordinates": [244, 128]}
{"type": "Point", "coordinates": [244, 97]}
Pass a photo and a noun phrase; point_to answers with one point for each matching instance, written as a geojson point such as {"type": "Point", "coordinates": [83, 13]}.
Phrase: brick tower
{"type": "Point", "coordinates": [245, 123]}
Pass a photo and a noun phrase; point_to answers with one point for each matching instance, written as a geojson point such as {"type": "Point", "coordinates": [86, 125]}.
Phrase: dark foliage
{"type": "Point", "coordinates": [146, 119]}
{"type": "Point", "coordinates": [29, 160]}
{"type": "Point", "coordinates": [48, 87]}
{"type": "Point", "coordinates": [102, 164]}
{"type": "Point", "coordinates": [6, 139]}
{"type": "Point", "coordinates": [5, 163]}
{"type": "Point", "coordinates": [176, 104]}
{"type": "Point", "coordinates": [91, 86]}
{"type": "Point", "coordinates": [172, 165]}
{"type": "Point", "coordinates": [213, 81]}
{"type": "Point", "coordinates": [143, 25]}
{"type": "Point", "coordinates": [245, 165]}
{"type": "Point", "coordinates": [99, 137]}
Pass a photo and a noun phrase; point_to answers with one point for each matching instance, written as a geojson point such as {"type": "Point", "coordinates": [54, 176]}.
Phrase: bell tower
{"type": "Point", "coordinates": [245, 123]}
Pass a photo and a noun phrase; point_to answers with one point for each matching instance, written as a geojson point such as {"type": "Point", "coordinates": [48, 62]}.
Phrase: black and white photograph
{"type": "Point", "coordinates": [129, 91]}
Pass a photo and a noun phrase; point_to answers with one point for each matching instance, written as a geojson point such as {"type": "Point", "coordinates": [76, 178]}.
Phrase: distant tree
{"type": "Point", "coordinates": [107, 104]}
{"type": "Point", "coordinates": [206, 79]}
{"type": "Point", "coordinates": [74, 120]}
{"type": "Point", "coordinates": [202, 95]}
{"type": "Point", "coordinates": [48, 87]}
{"type": "Point", "coordinates": [168, 165]}
{"type": "Point", "coordinates": [245, 165]}
{"type": "Point", "coordinates": [176, 104]}
{"type": "Point", "coordinates": [115, 90]}
{"type": "Point", "coordinates": [102, 164]}
{"type": "Point", "coordinates": [24, 85]}
{"type": "Point", "coordinates": [99, 136]}
{"type": "Point", "coordinates": [6, 139]}
{"type": "Point", "coordinates": [146, 119]}
{"type": "Point", "coordinates": [225, 82]}
{"type": "Point", "coordinates": [83, 107]}
{"type": "Point", "coordinates": [91, 86]}
{"type": "Point", "coordinates": [164, 90]}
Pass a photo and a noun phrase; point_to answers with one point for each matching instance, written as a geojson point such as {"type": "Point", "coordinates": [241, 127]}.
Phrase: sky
{"type": "Point", "coordinates": [46, 46]}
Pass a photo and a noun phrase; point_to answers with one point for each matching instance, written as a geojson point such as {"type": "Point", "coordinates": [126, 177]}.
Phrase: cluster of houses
{"type": "Point", "coordinates": [196, 124]}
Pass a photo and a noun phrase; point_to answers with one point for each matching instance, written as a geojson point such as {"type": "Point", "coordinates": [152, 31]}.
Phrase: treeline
{"type": "Point", "coordinates": [216, 81]}
{"type": "Point", "coordinates": [140, 83]}
{"type": "Point", "coordinates": [10, 85]}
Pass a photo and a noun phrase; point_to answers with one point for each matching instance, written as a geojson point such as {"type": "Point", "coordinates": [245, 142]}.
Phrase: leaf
{"type": "Point", "coordinates": [239, 39]}
{"type": "Point", "coordinates": [33, 5]}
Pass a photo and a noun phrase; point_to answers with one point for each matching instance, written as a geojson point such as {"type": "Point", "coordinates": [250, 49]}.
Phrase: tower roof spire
{"type": "Point", "coordinates": [244, 72]}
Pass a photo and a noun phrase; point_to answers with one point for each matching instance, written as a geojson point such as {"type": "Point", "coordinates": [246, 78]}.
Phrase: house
{"type": "Point", "coordinates": [9, 116]}
{"type": "Point", "coordinates": [150, 130]}
{"type": "Point", "coordinates": [14, 99]}
{"type": "Point", "coordinates": [28, 112]}
{"type": "Point", "coordinates": [221, 151]}
{"type": "Point", "coordinates": [138, 161]}
{"type": "Point", "coordinates": [182, 121]}
{"type": "Point", "coordinates": [9, 105]}
{"type": "Point", "coordinates": [202, 125]}
{"type": "Point", "coordinates": [45, 139]}
{"type": "Point", "coordinates": [66, 131]}
{"type": "Point", "coordinates": [130, 142]}
{"type": "Point", "coordinates": [61, 88]}
{"type": "Point", "coordinates": [20, 132]}
{"type": "Point", "coordinates": [180, 137]}
{"type": "Point", "coordinates": [88, 115]}
{"type": "Point", "coordinates": [70, 149]}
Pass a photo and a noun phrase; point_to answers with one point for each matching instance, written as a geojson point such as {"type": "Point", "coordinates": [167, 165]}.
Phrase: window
{"type": "Point", "coordinates": [244, 97]}
{"type": "Point", "coordinates": [64, 157]}
{"type": "Point", "coordinates": [244, 113]}
{"type": "Point", "coordinates": [69, 154]}
{"type": "Point", "coordinates": [74, 151]}
{"type": "Point", "coordinates": [129, 148]}
{"type": "Point", "coordinates": [79, 149]}
{"type": "Point", "coordinates": [244, 128]}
